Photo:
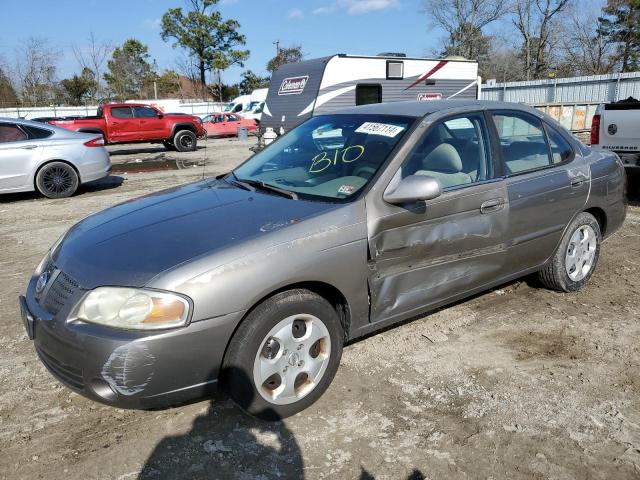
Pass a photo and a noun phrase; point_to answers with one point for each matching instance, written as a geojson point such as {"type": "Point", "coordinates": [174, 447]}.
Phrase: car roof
{"type": "Point", "coordinates": [58, 131]}
{"type": "Point", "coordinates": [419, 109]}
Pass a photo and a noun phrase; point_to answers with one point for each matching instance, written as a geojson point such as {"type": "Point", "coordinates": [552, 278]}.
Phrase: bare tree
{"type": "Point", "coordinates": [535, 20]}
{"type": "Point", "coordinates": [36, 71]}
{"type": "Point", "coordinates": [463, 21]}
{"type": "Point", "coordinates": [587, 48]}
{"type": "Point", "coordinates": [94, 57]}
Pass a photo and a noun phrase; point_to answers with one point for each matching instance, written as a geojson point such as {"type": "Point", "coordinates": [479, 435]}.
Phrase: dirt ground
{"type": "Point", "coordinates": [519, 382]}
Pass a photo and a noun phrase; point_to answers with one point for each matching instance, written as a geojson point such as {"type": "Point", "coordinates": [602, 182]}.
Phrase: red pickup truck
{"type": "Point", "coordinates": [132, 123]}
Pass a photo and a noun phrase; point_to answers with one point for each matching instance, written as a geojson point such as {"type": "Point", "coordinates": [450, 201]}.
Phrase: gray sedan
{"type": "Point", "coordinates": [54, 161]}
{"type": "Point", "coordinates": [351, 222]}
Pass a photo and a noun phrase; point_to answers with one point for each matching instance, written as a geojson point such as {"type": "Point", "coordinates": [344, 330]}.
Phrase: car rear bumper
{"type": "Point", "coordinates": [129, 369]}
{"type": "Point", "coordinates": [96, 164]}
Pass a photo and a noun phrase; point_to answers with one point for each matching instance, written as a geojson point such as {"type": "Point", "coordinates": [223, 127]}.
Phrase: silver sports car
{"type": "Point", "coordinates": [54, 161]}
{"type": "Point", "coordinates": [351, 222]}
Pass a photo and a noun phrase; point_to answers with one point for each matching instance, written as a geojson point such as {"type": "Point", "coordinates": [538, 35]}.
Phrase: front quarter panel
{"type": "Point", "coordinates": [330, 248]}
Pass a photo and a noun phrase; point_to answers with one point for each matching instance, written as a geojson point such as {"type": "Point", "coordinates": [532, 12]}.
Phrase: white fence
{"type": "Point", "coordinates": [199, 108]}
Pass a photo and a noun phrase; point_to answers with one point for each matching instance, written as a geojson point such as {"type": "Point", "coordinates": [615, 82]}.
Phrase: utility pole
{"type": "Point", "coordinates": [277, 44]}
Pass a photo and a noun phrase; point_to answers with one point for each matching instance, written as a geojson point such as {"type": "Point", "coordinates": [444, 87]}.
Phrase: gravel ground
{"type": "Point", "coordinates": [519, 382]}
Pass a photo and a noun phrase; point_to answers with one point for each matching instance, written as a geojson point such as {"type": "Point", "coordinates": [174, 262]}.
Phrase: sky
{"type": "Point", "coordinates": [322, 27]}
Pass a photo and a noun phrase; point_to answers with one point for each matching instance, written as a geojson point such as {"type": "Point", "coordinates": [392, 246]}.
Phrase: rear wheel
{"type": "Point", "coordinates": [284, 355]}
{"type": "Point", "coordinates": [572, 265]}
{"type": "Point", "coordinates": [185, 141]}
{"type": "Point", "coordinates": [57, 180]}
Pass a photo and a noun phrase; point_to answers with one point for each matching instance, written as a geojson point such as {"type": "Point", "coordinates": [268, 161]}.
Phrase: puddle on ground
{"type": "Point", "coordinates": [156, 165]}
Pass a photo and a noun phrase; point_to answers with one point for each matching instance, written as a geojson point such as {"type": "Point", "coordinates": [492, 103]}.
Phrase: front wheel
{"type": "Point", "coordinates": [57, 180]}
{"type": "Point", "coordinates": [284, 355]}
{"type": "Point", "coordinates": [185, 141]}
{"type": "Point", "coordinates": [572, 265]}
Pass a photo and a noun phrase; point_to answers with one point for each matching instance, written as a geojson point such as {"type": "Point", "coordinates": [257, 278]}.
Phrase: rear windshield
{"type": "Point", "coordinates": [329, 156]}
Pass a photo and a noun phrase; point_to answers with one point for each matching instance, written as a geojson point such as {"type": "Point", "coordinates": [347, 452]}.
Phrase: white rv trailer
{"type": "Point", "coordinates": [253, 110]}
{"type": "Point", "coordinates": [300, 90]}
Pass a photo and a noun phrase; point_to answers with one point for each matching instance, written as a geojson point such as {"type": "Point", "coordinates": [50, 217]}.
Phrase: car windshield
{"type": "Point", "coordinates": [229, 107]}
{"type": "Point", "coordinates": [251, 106]}
{"type": "Point", "coordinates": [329, 156]}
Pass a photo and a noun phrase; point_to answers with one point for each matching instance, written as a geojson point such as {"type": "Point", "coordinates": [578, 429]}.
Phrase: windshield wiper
{"type": "Point", "coordinates": [241, 183]}
{"type": "Point", "coordinates": [268, 186]}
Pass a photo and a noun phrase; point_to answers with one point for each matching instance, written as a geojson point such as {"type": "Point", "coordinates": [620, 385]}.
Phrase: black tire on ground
{"type": "Point", "coordinates": [554, 275]}
{"type": "Point", "coordinates": [237, 373]}
{"type": "Point", "coordinates": [57, 180]}
{"type": "Point", "coordinates": [185, 141]}
{"type": "Point", "coordinates": [168, 145]}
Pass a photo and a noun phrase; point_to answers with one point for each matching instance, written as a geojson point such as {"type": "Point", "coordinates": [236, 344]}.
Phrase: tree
{"type": "Point", "coordinates": [129, 70]}
{"type": "Point", "coordinates": [80, 87]}
{"type": "Point", "coordinates": [588, 50]}
{"type": "Point", "coordinates": [212, 41]}
{"type": "Point", "coordinates": [168, 84]}
{"type": "Point", "coordinates": [36, 71]}
{"type": "Point", "coordinates": [250, 82]}
{"type": "Point", "coordinates": [8, 95]}
{"type": "Point", "coordinates": [463, 21]}
{"type": "Point", "coordinates": [534, 19]}
{"type": "Point", "coordinates": [93, 57]}
{"type": "Point", "coordinates": [621, 24]}
{"type": "Point", "coordinates": [292, 54]}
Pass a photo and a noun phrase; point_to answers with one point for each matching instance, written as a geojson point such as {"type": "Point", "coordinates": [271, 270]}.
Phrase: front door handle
{"type": "Point", "coordinates": [492, 205]}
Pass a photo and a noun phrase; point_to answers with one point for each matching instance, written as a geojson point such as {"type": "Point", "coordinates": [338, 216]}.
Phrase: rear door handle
{"type": "Point", "coordinates": [492, 205]}
{"type": "Point", "coordinates": [577, 181]}
{"type": "Point", "coordinates": [29, 147]}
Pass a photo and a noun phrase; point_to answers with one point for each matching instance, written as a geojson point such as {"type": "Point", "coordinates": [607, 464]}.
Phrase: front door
{"type": "Point", "coordinates": [151, 126]}
{"type": "Point", "coordinates": [18, 156]}
{"type": "Point", "coordinates": [427, 253]}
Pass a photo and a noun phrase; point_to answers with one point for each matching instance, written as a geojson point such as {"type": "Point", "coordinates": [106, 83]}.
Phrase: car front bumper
{"type": "Point", "coordinates": [129, 369]}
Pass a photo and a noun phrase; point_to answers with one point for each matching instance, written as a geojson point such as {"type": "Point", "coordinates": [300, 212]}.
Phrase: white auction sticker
{"type": "Point", "coordinates": [379, 129]}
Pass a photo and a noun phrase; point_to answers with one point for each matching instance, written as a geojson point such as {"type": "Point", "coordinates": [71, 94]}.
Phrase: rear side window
{"type": "Point", "coordinates": [561, 151]}
{"type": "Point", "coordinates": [522, 141]}
{"type": "Point", "coordinates": [367, 94]}
{"type": "Point", "coordinates": [145, 112]}
{"type": "Point", "coordinates": [10, 132]}
{"type": "Point", "coordinates": [122, 112]}
{"type": "Point", "coordinates": [36, 133]}
{"type": "Point", "coordinates": [232, 118]}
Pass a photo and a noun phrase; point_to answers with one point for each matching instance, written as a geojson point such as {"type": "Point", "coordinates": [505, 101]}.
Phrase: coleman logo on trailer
{"type": "Point", "coordinates": [429, 96]}
{"type": "Point", "coordinates": [293, 85]}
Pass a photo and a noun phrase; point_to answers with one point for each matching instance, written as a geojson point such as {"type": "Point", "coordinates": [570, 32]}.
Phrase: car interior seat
{"type": "Point", "coordinates": [444, 164]}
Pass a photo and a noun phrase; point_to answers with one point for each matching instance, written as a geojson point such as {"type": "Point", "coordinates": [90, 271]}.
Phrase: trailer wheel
{"type": "Point", "coordinates": [185, 141]}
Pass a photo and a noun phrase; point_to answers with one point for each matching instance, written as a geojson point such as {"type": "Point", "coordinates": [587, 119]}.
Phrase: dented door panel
{"type": "Point", "coordinates": [425, 254]}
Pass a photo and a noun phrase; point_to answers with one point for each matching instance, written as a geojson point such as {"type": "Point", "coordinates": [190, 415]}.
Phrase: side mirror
{"type": "Point", "coordinates": [412, 189]}
{"type": "Point", "coordinates": [161, 115]}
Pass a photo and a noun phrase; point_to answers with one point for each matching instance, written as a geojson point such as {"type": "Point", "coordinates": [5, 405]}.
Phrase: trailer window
{"type": "Point", "coordinates": [367, 94]}
{"type": "Point", "coordinates": [395, 70]}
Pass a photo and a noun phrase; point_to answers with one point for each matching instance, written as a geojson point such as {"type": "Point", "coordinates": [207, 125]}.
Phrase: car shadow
{"type": "Point", "coordinates": [143, 150]}
{"type": "Point", "coordinates": [106, 183]}
{"type": "Point", "coordinates": [226, 443]}
{"type": "Point", "coordinates": [633, 187]}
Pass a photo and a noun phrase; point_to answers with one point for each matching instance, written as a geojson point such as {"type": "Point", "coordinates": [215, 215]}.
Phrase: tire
{"type": "Point", "coordinates": [576, 258]}
{"type": "Point", "coordinates": [185, 141]}
{"type": "Point", "coordinates": [269, 370]}
{"type": "Point", "coordinates": [169, 145]}
{"type": "Point", "coordinates": [57, 180]}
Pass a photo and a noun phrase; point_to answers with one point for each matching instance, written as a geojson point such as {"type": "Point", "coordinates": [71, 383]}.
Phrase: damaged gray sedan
{"type": "Point", "coordinates": [351, 222]}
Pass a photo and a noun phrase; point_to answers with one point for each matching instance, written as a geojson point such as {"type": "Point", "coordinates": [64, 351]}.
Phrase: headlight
{"type": "Point", "coordinates": [133, 308]}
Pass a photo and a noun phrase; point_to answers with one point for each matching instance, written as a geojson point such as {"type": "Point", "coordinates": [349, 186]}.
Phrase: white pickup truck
{"type": "Point", "coordinates": [616, 127]}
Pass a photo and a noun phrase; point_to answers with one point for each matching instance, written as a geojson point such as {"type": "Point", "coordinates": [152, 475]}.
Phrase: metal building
{"type": "Point", "coordinates": [572, 101]}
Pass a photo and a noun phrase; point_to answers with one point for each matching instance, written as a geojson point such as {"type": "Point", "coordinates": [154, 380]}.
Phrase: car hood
{"type": "Point", "coordinates": [131, 243]}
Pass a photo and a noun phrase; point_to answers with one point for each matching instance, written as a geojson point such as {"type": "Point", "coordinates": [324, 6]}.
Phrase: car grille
{"type": "Point", "coordinates": [61, 290]}
{"type": "Point", "coordinates": [68, 375]}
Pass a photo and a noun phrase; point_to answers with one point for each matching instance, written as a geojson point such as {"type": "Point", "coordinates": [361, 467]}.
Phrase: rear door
{"type": "Point", "coordinates": [547, 184]}
{"type": "Point", "coordinates": [18, 155]}
{"type": "Point", "coordinates": [426, 253]}
{"type": "Point", "coordinates": [151, 126]}
{"type": "Point", "coordinates": [124, 127]}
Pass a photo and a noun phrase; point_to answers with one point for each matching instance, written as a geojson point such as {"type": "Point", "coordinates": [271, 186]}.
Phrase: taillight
{"type": "Point", "coordinates": [595, 130]}
{"type": "Point", "coordinates": [95, 142]}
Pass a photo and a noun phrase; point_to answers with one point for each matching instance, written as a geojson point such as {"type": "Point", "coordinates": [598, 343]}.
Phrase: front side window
{"type": "Point", "coordinates": [453, 151]}
{"type": "Point", "coordinates": [522, 141]}
{"type": "Point", "coordinates": [561, 151]}
{"type": "Point", "coordinates": [122, 112]}
{"type": "Point", "coordinates": [11, 133]}
{"type": "Point", "coordinates": [145, 112]}
{"type": "Point", "coordinates": [328, 157]}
